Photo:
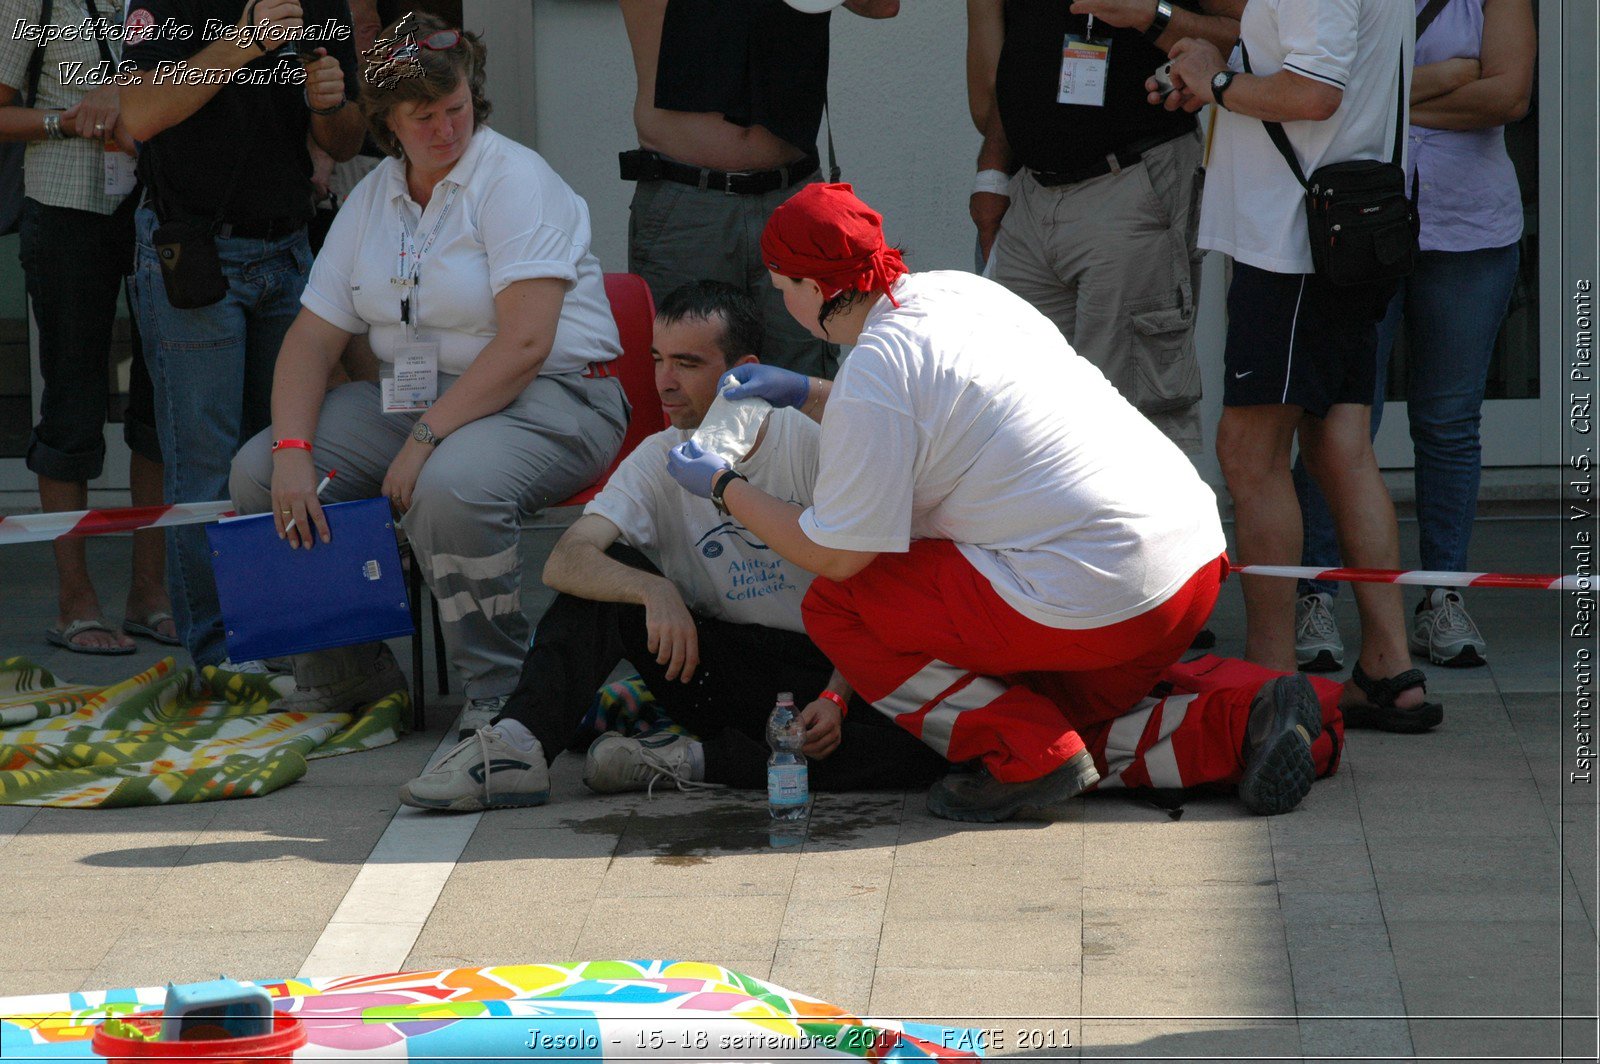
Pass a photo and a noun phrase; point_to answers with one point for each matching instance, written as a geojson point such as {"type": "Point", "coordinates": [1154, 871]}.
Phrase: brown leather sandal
{"type": "Point", "coordinates": [1380, 712]}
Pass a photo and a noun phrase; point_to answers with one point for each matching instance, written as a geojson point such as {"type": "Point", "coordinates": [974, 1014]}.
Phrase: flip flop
{"type": "Point", "coordinates": [150, 628]}
{"type": "Point", "coordinates": [63, 637]}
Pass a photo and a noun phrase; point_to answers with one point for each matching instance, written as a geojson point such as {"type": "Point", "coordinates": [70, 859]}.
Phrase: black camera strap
{"type": "Point", "coordinates": [1430, 13]}
{"type": "Point", "coordinates": [36, 60]}
{"type": "Point", "coordinates": [1280, 139]}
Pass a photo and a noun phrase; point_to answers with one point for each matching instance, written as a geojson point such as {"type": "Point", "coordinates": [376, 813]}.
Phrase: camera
{"type": "Point", "coordinates": [1163, 78]}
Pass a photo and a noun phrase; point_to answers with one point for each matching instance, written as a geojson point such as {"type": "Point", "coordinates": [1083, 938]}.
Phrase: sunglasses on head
{"type": "Point", "coordinates": [393, 58]}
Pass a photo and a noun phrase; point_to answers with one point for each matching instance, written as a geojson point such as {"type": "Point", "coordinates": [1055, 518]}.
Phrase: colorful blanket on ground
{"type": "Point", "coordinates": [589, 1011]}
{"type": "Point", "coordinates": [161, 738]}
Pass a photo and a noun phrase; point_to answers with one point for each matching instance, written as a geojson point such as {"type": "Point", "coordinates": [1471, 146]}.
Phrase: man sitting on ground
{"type": "Point", "coordinates": [704, 610]}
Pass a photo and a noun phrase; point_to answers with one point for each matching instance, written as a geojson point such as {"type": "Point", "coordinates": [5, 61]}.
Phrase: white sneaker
{"type": "Point", "coordinates": [483, 771]}
{"type": "Point", "coordinates": [616, 763]}
{"type": "Point", "coordinates": [1442, 631]}
{"type": "Point", "coordinates": [479, 713]}
{"type": "Point", "coordinates": [1317, 646]}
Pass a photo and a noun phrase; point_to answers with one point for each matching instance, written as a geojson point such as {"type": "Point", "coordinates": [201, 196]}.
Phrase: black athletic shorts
{"type": "Point", "coordinates": [1296, 339]}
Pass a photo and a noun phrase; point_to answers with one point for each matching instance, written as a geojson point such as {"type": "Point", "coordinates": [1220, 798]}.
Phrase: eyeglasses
{"type": "Point", "coordinates": [392, 59]}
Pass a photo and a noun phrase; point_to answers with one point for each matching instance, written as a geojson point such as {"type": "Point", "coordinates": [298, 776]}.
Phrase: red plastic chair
{"type": "Point", "coordinates": [635, 314]}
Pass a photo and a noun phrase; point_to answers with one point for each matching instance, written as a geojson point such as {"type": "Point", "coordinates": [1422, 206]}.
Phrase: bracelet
{"type": "Point", "coordinates": [720, 485]}
{"type": "Point", "coordinates": [995, 181]}
{"type": "Point", "coordinates": [325, 111]}
{"type": "Point", "coordinates": [837, 699]}
{"type": "Point", "coordinates": [52, 126]}
{"type": "Point", "coordinates": [1159, 21]}
{"type": "Point", "coordinates": [291, 445]}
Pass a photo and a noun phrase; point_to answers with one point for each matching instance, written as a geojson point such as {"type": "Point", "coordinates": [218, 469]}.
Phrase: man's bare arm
{"type": "Point", "coordinates": [1221, 29]}
{"type": "Point", "coordinates": [986, 34]}
{"type": "Point", "coordinates": [149, 108]}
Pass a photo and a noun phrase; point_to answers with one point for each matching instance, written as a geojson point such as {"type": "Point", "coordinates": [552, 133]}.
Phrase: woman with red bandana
{"type": "Point", "coordinates": [1009, 555]}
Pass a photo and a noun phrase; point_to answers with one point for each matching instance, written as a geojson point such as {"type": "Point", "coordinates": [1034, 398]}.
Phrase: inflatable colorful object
{"type": "Point", "coordinates": [590, 1011]}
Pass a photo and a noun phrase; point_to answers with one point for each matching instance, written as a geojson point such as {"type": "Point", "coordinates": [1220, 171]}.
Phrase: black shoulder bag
{"type": "Point", "coordinates": [1363, 226]}
{"type": "Point", "coordinates": [11, 190]}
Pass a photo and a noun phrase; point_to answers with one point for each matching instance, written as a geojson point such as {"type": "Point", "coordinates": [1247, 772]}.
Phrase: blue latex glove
{"type": "Point", "coordinates": [695, 470]}
{"type": "Point", "coordinates": [780, 387]}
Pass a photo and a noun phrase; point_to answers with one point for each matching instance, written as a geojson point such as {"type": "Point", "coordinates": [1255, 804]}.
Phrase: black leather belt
{"type": "Point", "coordinates": [1114, 162]}
{"type": "Point", "coordinates": [642, 165]}
{"type": "Point", "coordinates": [266, 229]}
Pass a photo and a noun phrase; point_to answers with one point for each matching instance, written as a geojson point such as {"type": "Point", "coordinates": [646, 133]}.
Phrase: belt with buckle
{"type": "Point", "coordinates": [1113, 163]}
{"type": "Point", "coordinates": [266, 229]}
{"type": "Point", "coordinates": [642, 165]}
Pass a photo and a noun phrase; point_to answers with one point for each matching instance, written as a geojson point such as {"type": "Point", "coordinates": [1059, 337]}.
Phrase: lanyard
{"type": "Point", "coordinates": [408, 274]}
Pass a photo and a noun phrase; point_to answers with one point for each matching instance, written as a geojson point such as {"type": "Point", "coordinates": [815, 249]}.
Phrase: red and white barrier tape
{"type": "Point", "coordinates": [1424, 577]}
{"type": "Point", "coordinates": [40, 528]}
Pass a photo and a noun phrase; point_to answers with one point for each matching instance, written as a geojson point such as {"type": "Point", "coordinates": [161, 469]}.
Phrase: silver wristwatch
{"type": "Point", "coordinates": [423, 434]}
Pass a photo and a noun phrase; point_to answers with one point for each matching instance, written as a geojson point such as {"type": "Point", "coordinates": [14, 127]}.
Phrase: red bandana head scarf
{"type": "Point", "coordinates": [826, 233]}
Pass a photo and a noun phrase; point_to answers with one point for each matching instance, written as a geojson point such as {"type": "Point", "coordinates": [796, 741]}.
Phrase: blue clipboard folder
{"type": "Point", "coordinates": [278, 601]}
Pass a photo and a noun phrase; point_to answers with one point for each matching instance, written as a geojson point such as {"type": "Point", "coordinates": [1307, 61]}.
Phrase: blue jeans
{"type": "Point", "coordinates": [1451, 308]}
{"type": "Point", "coordinates": [212, 371]}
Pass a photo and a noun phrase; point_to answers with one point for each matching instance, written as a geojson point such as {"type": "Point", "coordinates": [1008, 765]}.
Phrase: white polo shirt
{"type": "Point", "coordinates": [513, 219]}
{"type": "Point", "coordinates": [1254, 209]}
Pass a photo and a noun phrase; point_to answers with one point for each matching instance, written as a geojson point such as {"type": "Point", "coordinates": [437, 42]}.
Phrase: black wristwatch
{"type": "Point", "coordinates": [1158, 24]}
{"type": "Point", "coordinates": [719, 484]}
{"type": "Point", "coordinates": [1219, 85]}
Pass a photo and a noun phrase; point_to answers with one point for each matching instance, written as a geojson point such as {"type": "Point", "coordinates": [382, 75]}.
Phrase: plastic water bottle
{"type": "Point", "coordinates": [788, 789]}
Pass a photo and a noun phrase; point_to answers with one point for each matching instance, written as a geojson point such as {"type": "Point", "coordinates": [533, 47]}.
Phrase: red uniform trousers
{"type": "Point", "coordinates": [925, 638]}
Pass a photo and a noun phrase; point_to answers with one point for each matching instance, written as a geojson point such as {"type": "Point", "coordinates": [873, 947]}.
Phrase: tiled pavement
{"type": "Point", "coordinates": [1435, 899]}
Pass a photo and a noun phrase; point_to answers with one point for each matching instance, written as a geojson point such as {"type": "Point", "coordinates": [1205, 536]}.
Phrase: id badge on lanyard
{"type": "Point", "coordinates": [120, 173]}
{"type": "Point", "coordinates": [1085, 61]}
{"type": "Point", "coordinates": [410, 384]}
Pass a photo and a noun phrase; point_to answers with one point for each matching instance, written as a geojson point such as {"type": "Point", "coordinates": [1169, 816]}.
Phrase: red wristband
{"type": "Point", "coordinates": [837, 699]}
{"type": "Point", "coordinates": [296, 445]}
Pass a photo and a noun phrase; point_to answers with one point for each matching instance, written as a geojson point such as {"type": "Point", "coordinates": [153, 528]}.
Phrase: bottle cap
{"type": "Point", "coordinates": [785, 696]}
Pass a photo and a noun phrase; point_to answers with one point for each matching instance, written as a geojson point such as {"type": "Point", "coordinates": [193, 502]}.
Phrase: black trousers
{"type": "Point", "coordinates": [742, 668]}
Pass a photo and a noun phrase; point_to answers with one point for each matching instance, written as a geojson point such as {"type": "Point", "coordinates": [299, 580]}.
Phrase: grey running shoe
{"type": "Point", "coordinates": [483, 771]}
{"type": "Point", "coordinates": [1317, 646]}
{"type": "Point", "coordinates": [616, 763]}
{"type": "Point", "coordinates": [980, 798]}
{"type": "Point", "coordinates": [1442, 631]}
{"type": "Point", "coordinates": [342, 679]}
{"type": "Point", "coordinates": [1285, 719]}
{"type": "Point", "coordinates": [479, 713]}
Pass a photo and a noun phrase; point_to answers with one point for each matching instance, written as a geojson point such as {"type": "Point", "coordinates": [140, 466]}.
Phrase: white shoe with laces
{"type": "Point", "coordinates": [616, 763]}
{"type": "Point", "coordinates": [483, 771]}
{"type": "Point", "coordinates": [479, 713]}
{"type": "Point", "coordinates": [1317, 646]}
{"type": "Point", "coordinates": [1443, 632]}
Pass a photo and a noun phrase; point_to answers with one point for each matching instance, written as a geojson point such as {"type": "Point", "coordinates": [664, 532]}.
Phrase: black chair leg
{"type": "Point", "coordinates": [419, 719]}
{"type": "Point", "coordinates": [441, 662]}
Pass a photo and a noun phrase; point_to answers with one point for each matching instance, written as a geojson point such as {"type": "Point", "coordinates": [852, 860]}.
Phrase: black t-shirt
{"type": "Point", "coordinates": [257, 130]}
{"type": "Point", "coordinates": [758, 62]}
{"type": "Point", "coordinates": [1046, 135]}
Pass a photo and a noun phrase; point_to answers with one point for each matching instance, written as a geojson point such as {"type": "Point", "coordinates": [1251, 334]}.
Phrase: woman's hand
{"type": "Point", "coordinates": [821, 720]}
{"type": "Point", "coordinates": [294, 498]}
{"type": "Point", "coordinates": [695, 470]}
{"type": "Point", "coordinates": [400, 482]}
{"type": "Point", "coordinates": [95, 116]}
{"type": "Point", "coordinates": [780, 387]}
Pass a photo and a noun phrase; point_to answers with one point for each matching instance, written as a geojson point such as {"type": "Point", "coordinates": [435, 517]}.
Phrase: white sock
{"type": "Point", "coordinates": [697, 760]}
{"type": "Point", "coordinates": [516, 733]}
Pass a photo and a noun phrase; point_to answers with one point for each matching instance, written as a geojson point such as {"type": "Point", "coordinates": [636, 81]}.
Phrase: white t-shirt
{"type": "Point", "coordinates": [964, 415]}
{"type": "Point", "coordinates": [513, 219]}
{"type": "Point", "coordinates": [1254, 209]}
{"type": "Point", "coordinates": [722, 569]}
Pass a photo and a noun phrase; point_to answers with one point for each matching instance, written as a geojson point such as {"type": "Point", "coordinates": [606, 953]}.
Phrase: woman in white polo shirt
{"type": "Point", "coordinates": [465, 259]}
